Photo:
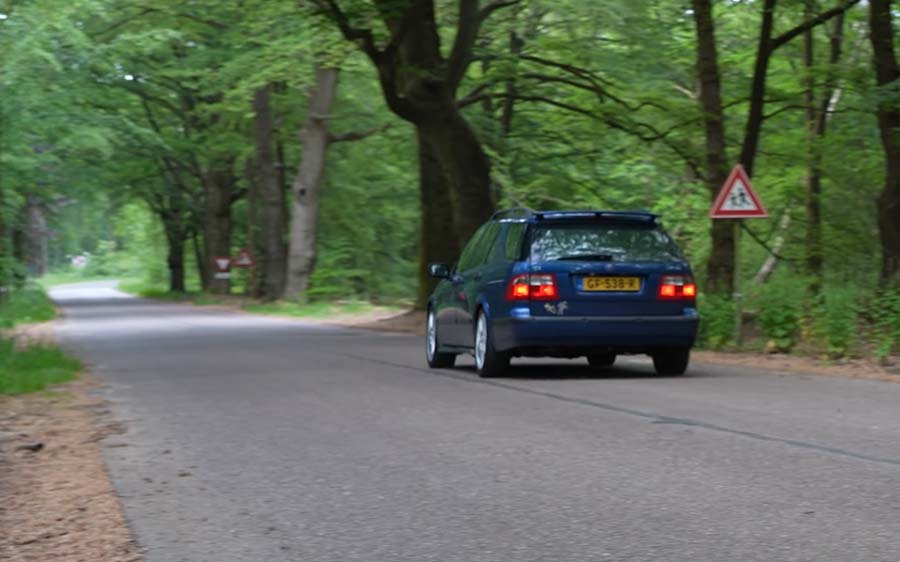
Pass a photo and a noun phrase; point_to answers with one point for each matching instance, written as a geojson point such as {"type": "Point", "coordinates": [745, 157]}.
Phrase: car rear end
{"type": "Point", "coordinates": [592, 282]}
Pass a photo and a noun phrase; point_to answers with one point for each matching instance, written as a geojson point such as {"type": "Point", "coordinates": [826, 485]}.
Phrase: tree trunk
{"type": "Point", "coordinates": [176, 239]}
{"type": "Point", "coordinates": [271, 196]}
{"type": "Point", "coordinates": [720, 267]}
{"type": "Point", "coordinates": [817, 118]}
{"type": "Point", "coordinates": [887, 72]}
{"type": "Point", "coordinates": [218, 186]}
{"type": "Point", "coordinates": [420, 85]}
{"type": "Point", "coordinates": [768, 266]}
{"type": "Point", "coordinates": [314, 139]}
{"type": "Point", "coordinates": [435, 246]}
{"type": "Point", "coordinates": [813, 241]}
{"type": "Point", "coordinates": [37, 235]}
{"type": "Point", "coordinates": [203, 267]}
{"type": "Point", "coordinates": [254, 277]}
{"type": "Point", "coordinates": [758, 88]}
{"type": "Point", "coordinates": [465, 169]}
{"type": "Point", "coordinates": [6, 259]}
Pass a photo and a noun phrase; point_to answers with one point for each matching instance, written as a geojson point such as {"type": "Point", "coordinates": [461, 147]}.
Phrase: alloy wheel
{"type": "Point", "coordinates": [480, 341]}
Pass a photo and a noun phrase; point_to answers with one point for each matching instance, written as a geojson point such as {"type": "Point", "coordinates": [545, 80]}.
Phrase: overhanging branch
{"type": "Point", "coordinates": [811, 23]}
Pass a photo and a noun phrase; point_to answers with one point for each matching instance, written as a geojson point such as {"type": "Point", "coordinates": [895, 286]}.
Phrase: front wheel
{"type": "Point", "coordinates": [488, 361]}
{"type": "Point", "coordinates": [671, 361]}
{"type": "Point", "coordinates": [435, 358]}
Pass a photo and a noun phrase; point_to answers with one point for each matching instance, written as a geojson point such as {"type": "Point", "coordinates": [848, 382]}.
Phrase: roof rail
{"type": "Point", "coordinates": [514, 212]}
{"type": "Point", "coordinates": [640, 216]}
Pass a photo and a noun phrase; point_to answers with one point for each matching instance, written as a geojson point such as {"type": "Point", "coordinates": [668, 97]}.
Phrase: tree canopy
{"type": "Point", "coordinates": [209, 127]}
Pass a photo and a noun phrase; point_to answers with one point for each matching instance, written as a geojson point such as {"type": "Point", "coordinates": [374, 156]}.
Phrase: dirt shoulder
{"type": "Point", "coordinates": [56, 499]}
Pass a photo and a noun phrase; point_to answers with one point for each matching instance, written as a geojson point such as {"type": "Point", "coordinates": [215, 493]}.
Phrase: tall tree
{"type": "Point", "coordinates": [314, 138]}
{"type": "Point", "coordinates": [818, 113]}
{"type": "Point", "coordinates": [720, 267]}
{"type": "Point", "coordinates": [420, 84]}
{"type": "Point", "coordinates": [887, 74]}
{"type": "Point", "coordinates": [270, 194]}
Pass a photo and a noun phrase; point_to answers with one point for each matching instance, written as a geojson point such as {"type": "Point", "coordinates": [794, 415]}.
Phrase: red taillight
{"type": "Point", "coordinates": [539, 287]}
{"type": "Point", "coordinates": [677, 287]}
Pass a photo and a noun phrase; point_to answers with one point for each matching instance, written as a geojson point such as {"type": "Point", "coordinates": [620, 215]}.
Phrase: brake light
{"type": "Point", "coordinates": [677, 287]}
{"type": "Point", "coordinates": [539, 287]}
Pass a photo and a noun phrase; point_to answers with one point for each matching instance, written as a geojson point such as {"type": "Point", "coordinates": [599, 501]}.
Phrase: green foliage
{"type": "Point", "coordinates": [34, 368]}
{"type": "Point", "coordinates": [111, 116]}
{"type": "Point", "coordinates": [883, 316]}
{"type": "Point", "coordinates": [836, 321]}
{"type": "Point", "coordinates": [780, 308]}
{"type": "Point", "coordinates": [25, 306]}
{"type": "Point", "coordinates": [716, 321]}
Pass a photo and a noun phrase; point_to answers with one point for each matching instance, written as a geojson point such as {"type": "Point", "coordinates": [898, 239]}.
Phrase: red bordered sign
{"type": "Point", "coordinates": [737, 199]}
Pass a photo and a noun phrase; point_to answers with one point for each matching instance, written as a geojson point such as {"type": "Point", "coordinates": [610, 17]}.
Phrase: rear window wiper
{"type": "Point", "coordinates": [586, 257]}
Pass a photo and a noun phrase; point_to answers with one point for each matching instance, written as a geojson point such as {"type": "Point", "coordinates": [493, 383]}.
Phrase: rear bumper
{"type": "Point", "coordinates": [635, 334]}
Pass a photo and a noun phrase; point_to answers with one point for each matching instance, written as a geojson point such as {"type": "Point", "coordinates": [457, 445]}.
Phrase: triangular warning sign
{"type": "Point", "coordinates": [244, 259]}
{"type": "Point", "coordinates": [737, 199]}
{"type": "Point", "coordinates": [223, 264]}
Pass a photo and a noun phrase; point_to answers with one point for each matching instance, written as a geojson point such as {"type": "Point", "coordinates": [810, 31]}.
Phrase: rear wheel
{"type": "Point", "coordinates": [488, 361]}
{"type": "Point", "coordinates": [671, 361]}
{"type": "Point", "coordinates": [600, 360]}
{"type": "Point", "coordinates": [435, 358]}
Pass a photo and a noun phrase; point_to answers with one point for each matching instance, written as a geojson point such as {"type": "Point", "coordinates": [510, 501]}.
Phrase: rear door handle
{"type": "Point", "coordinates": [477, 276]}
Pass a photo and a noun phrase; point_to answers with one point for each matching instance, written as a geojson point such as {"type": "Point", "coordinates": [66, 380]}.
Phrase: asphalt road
{"type": "Point", "coordinates": [262, 439]}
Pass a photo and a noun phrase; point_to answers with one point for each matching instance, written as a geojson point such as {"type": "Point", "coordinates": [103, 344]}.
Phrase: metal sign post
{"type": "Point", "coordinates": [736, 285]}
{"type": "Point", "coordinates": [737, 200]}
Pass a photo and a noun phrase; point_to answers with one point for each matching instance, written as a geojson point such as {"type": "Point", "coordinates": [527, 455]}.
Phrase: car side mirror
{"type": "Point", "coordinates": [439, 270]}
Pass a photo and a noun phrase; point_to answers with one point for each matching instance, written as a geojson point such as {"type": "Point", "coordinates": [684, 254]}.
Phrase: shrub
{"type": "Point", "coordinates": [780, 311]}
{"type": "Point", "coordinates": [835, 321]}
{"type": "Point", "coordinates": [884, 315]}
{"type": "Point", "coordinates": [716, 320]}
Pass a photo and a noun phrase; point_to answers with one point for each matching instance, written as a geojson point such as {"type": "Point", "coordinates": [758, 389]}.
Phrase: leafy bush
{"type": "Point", "coordinates": [836, 321]}
{"type": "Point", "coordinates": [780, 309]}
{"type": "Point", "coordinates": [883, 313]}
{"type": "Point", "coordinates": [716, 321]}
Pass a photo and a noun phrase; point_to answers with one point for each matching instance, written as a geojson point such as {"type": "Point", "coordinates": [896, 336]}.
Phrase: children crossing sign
{"type": "Point", "coordinates": [737, 199]}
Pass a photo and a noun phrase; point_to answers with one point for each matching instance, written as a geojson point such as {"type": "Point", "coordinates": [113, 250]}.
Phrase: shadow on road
{"type": "Point", "coordinates": [549, 371]}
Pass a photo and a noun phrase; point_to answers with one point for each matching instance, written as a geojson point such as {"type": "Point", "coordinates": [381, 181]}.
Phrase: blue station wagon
{"type": "Point", "coordinates": [564, 284]}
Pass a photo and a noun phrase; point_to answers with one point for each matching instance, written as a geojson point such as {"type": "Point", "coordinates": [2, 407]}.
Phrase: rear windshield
{"type": "Point", "coordinates": [602, 241]}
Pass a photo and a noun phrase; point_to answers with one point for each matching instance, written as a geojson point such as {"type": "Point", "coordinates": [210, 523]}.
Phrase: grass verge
{"type": "Point", "coordinates": [26, 306]}
{"type": "Point", "coordinates": [34, 368]}
{"type": "Point", "coordinates": [316, 309]}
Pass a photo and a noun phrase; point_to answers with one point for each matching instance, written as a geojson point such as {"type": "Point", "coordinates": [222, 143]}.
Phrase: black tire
{"type": "Point", "coordinates": [601, 360]}
{"type": "Point", "coordinates": [495, 363]}
{"type": "Point", "coordinates": [671, 361]}
{"type": "Point", "coordinates": [436, 359]}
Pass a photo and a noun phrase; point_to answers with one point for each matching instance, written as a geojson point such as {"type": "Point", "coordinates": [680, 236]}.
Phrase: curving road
{"type": "Point", "coordinates": [260, 439]}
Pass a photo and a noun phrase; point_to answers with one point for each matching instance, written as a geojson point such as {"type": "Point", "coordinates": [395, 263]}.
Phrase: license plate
{"type": "Point", "coordinates": [631, 284]}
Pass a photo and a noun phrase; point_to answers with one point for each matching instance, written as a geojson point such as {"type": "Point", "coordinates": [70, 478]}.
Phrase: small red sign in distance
{"type": "Point", "coordinates": [244, 259]}
{"type": "Point", "coordinates": [223, 264]}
